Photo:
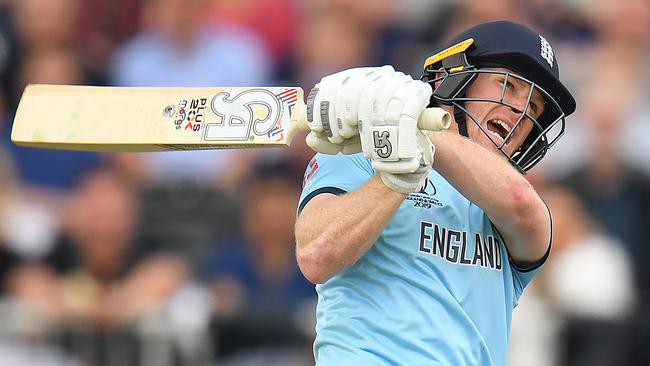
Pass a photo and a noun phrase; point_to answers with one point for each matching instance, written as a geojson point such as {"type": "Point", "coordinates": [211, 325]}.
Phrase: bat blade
{"type": "Point", "coordinates": [124, 119]}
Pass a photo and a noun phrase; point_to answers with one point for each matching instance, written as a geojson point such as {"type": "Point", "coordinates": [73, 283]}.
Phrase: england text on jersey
{"type": "Point", "coordinates": [453, 246]}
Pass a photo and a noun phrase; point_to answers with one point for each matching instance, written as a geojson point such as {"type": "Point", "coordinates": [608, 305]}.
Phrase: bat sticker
{"type": "Point", "coordinates": [196, 114]}
{"type": "Point", "coordinates": [253, 112]}
{"type": "Point", "coordinates": [288, 98]}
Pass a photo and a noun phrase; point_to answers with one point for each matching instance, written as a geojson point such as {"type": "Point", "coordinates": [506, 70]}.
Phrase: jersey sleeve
{"type": "Point", "coordinates": [522, 274]}
{"type": "Point", "coordinates": [337, 174]}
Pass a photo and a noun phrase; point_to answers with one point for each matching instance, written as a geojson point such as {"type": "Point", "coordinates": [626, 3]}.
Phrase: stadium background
{"type": "Point", "coordinates": [187, 258]}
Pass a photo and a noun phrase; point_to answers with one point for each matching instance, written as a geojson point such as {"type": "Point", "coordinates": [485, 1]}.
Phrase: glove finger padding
{"type": "Point", "coordinates": [318, 142]}
{"type": "Point", "coordinates": [427, 148]}
{"type": "Point", "coordinates": [333, 103]}
{"type": "Point", "coordinates": [373, 106]}
{"type": "Point", "coordinates": [322, 144]}
{"type": "Point", "coordinates": [391, 138]}
{"type": "Point", "coordinates": [414, 99]}
{"type": "Point", "coordinates": [351, 145]}
{"type": "Point", "coordinates": [347, 104]}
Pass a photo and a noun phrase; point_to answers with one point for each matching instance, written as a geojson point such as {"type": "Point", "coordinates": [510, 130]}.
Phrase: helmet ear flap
{"type": "Point", "coordinates": [453, 86]}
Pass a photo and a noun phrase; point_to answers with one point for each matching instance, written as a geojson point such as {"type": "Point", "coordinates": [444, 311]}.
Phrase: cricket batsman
{"type": "Point", "coordinates": [421, 243]}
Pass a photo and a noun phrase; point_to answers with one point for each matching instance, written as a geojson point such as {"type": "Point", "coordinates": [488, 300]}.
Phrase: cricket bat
{"type": "Point", "coordinates": [126, 119]}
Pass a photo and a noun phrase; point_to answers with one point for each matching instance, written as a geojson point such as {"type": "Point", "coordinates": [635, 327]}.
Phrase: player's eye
{"type": "Point", "coordinates": [506, 83]}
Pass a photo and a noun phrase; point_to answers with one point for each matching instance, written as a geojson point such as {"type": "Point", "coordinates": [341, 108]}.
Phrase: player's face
{"type": "Point", "coordinates": [499, 120]}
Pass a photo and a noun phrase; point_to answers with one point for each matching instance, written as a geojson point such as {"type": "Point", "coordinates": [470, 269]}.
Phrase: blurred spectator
{"type": "Point", "coordinates": [620, 29]}
{"type": "Point", "coordinates": [51, 65]}
{"type": "Point", "coordinates": [276, 22]}
{"type": "Point", "coordinates": [178, 47]}
{"type": "Point", "coordinates": [470, 13]}
{"type": "Point", "coordinates": [260, 295]}
{"type": "Point", "coordinates": [28, 226]}
{"type": "Point", "coordinates": [354, 33]}
{"type": "Point", "coordinates": [621, 22]}
{"type": "Point", "coordinates": [418, 28]}
{"type": "Point", "coordinates": [371, 16]}
{"type": "Point", "coordinates": [419, 13]}
{"type": "Point", "coordinates": [560, 20]}
{"type": "Point", "coordinates": [385, 36]}
{"type": "Point", "coordinates": [613, 190]}
{"type": "Point", "coordinates": [9, 260]}
{"type": "Point", "coordinates": [46, 23]}
{"type": "Point", "coordinates": [41, 26]}
{"type": "Point", "coordinates": [103, 26]}
{"type": "Point", "coordinates": [103, 296]}
{"type": "Point", "coordinates": [415, 33]}
{"type": "Point", "coordinates": [342, 43]}
{"type": "Point", "coordinates": [188, 218]}
{"type": "Point", "coordinates": [623, 30]}
{"type": "Point", "coordinates": [390, 35]}
{"type": "Point", "coordinates": [587, 278]}
{"type": "Point", "coordinates": [104, 277]}
{"type": "Point", "coordinates": [590, 274]}
{"type": "Point", "coordinates": [620, 91]}
{"type": "Point", "coordinates": [8, 60]}
{"type": "Point", "coordinates": [89, 27]}
{"type": "Point", "coordinates": [47, 170]}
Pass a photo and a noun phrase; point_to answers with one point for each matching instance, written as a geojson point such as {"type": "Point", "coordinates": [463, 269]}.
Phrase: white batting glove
{"type": "Point", "coordinates": [406, 183]}
{"type": "Point", "coordinates": [388, 115]}
{"type": "Point", "coordinates": [332, 109]}
{"type": "Point", "coordinates": [374, 110]}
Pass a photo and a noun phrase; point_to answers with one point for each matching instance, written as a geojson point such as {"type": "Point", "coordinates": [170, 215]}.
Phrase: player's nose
{"type": "Point", "coordinates": [520, 103]}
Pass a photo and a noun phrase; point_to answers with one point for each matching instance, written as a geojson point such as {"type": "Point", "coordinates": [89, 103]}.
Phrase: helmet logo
{"type": "Point", "coordinates": [547, 51]}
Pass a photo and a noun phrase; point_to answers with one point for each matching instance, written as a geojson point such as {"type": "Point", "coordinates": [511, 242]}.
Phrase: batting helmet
{"type": "Point", "coordinates": [528, 56]}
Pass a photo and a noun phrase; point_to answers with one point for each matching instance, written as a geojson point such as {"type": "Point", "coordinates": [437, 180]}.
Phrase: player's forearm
{"type": "Point", "coordinates": [489, 181]}
{"type": "Point", "coordinates": [333, 232]}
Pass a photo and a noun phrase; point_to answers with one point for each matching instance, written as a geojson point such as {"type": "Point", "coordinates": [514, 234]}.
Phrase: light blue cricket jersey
{"type": "Point", "coordinates": [436, 288]}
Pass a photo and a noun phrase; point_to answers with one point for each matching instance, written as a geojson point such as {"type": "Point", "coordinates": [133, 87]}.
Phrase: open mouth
{"type": "Point", "coordinates": [498, 129]}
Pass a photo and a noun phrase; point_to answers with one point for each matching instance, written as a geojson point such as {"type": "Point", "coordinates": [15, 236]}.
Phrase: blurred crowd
{"type": "Point", "coordinates": [186, 258]}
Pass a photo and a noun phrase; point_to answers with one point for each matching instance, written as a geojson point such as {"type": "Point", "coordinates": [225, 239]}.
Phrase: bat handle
{"type": "Point", "coordinates": [434, 119]}
{"type": "Point", "coordinates": [431, 119]}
